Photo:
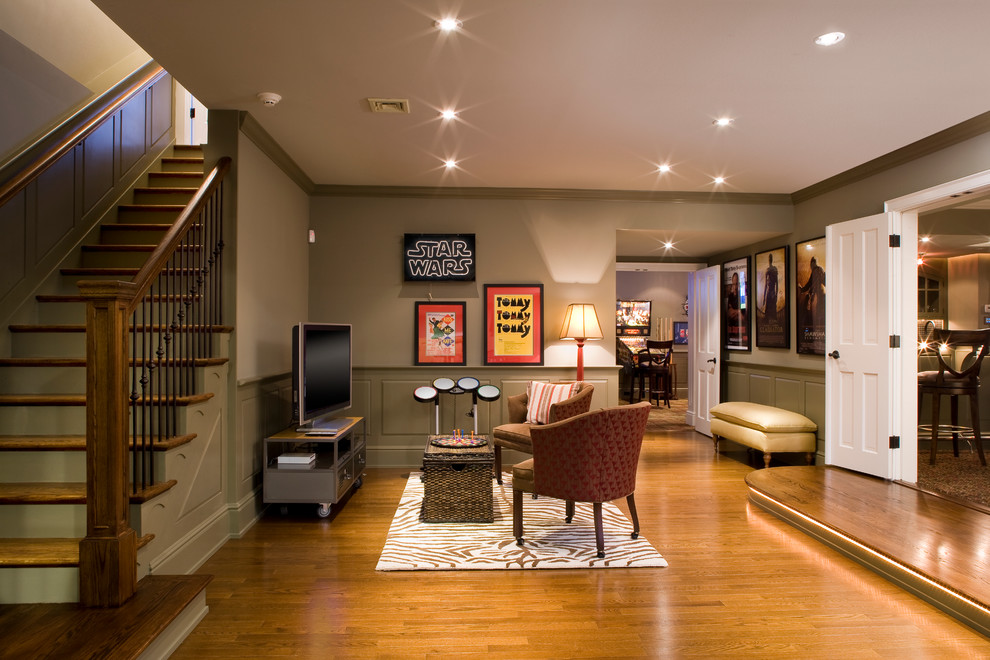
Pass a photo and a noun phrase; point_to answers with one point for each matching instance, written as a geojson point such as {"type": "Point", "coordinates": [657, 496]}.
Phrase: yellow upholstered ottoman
{"type": "Point", "coordinates": [765, 428]}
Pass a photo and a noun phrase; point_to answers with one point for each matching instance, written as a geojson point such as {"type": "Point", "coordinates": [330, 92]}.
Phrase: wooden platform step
{"type": "Point", "coordinates": [80, 399]}
{"type": "Point", "coordinates": [38, 553]}
{"type": "Point", "coordinates": [35, 492]}
{"type": "Point", "coordinates": [76, 442]}
{"type": "Point", "coordinates": [70, 632]}
{"type": "Point", "coordinates": [929, 545]}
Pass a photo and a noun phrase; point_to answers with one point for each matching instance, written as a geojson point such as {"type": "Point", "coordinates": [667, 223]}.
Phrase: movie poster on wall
{"type": "Point", "coordinates": [772, 318]}
{"type": "Point", "coordinates": [735, 304]}
{"type": "Point", "coordinates": [440, 333]}
{"type": "Point", "coordinates": [810, 270]}
{"type": "Point", "coordinates": [513, 324]}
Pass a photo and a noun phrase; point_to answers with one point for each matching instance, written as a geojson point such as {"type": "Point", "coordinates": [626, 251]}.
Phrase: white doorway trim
{"type": "Point", "coordinates": [909, 206]}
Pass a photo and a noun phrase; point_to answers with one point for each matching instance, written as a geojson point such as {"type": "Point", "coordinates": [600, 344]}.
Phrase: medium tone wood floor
{"type": "Point", "coordinates": [741, 583]}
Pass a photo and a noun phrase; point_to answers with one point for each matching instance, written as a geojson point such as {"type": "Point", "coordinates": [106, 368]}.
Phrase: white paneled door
{"type": "Point", "coordinates": [705, 340]}
{"type": "Point", "coordinates": [859, 378]}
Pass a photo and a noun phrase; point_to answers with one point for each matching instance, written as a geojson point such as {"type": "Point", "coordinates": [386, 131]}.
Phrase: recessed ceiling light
{"type": "Point", "coordinates": [723, 121]}
{"type": "Point", "coordinates": [830, 39]}
{"type": "Point", "coordinates": [668, 245]}
{"type": "Point", "coordinates": [719, 180]}
{"type": "Point", "coordinates": [450, 163]}
{"type": "Point", "coordinates": [663, 169]}
{"type": "Point", "coordinates": [925, 239]}
{"type": "Point", "coordinates": [448, 24]}
{"type": "Point", "coordinates": [448, 114]}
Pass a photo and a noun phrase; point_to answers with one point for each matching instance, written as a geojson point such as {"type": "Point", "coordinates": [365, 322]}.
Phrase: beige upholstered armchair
{"type": "Point", "coordinates": [516, 434]}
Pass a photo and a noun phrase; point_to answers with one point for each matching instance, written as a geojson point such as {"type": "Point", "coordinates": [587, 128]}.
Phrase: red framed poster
{"type": "Point", "coordinates": [513, 324]}
{"type": "Point", "coordinates": [440, 333]}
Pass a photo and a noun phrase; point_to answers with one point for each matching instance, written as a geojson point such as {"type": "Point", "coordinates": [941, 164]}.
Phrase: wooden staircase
{"type": "Point", "coordinates": [43, 399]}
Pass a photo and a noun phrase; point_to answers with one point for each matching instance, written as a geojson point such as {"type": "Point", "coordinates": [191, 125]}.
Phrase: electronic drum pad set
{"type": "Point", "coordinates": [428, 393]}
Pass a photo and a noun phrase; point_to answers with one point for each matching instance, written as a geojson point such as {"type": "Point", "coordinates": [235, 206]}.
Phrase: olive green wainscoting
{"type": "Point", "coordinates": [397, 424]}
{"type": "Point", "coordinates": [800, 390]}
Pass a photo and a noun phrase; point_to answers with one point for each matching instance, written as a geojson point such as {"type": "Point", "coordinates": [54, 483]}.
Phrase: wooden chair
{"type": "Point", "coordinates": [952, 383]}
{"type": "Point", "coordinates": [592, 457]}
{"type": "Point", "coordinates": [653, 365]}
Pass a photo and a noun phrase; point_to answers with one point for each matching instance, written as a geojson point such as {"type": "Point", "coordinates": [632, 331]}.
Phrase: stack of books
{"type": "Point", "coordinates": [295, 459]}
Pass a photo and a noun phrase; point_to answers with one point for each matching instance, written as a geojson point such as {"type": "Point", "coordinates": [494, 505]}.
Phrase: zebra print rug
{"type": "Point", "coordinates": [413, 545]}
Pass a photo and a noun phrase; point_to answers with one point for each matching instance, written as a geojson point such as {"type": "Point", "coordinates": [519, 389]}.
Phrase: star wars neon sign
{"type": "Point", "coordinates": [438, 257]}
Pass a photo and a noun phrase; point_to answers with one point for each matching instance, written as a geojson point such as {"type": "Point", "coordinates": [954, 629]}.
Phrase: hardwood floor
{"type": "Point", "coordinates": [741, 583]}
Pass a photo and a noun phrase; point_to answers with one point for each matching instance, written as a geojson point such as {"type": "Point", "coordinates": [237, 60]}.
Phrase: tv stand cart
{"type": "Point", "coordinates": [338, 466]}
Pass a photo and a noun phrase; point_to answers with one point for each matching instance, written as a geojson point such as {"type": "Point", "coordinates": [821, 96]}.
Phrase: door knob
{"type": "Point", "coordinates": [834, 355]}
{"type": "Point", "coordinates": [712, 360]}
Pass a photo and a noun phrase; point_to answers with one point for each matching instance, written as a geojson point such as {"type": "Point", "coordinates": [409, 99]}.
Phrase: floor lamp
{"type": "Point", "coordinates": [580, 324]}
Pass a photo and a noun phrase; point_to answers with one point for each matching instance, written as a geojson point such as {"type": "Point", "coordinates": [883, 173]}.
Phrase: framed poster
{"type": "Point", "coordinates": [809, 258]}
{"type": "Point", "coordinates": [681, 332]}
{"type": "Point", "coordinates": [773, 327]}
{"type": "Point", "coordinates": [632, 317]}
{"type": "Point", "coordinates": [735, 304]}
{"type": "Point", "coordinates": [513, 324]}
{"type": "Point", "coordinates": [440, 333]}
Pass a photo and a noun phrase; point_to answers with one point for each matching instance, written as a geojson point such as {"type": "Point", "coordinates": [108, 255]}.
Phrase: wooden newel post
{"type": "Point", "coordinates": [108, 554]}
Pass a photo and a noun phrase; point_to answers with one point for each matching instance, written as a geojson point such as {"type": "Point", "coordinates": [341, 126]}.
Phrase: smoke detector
{"type": "Point", "coordinates": [269, 98]}
{"type": "Point", "coordinates": [389, 105]}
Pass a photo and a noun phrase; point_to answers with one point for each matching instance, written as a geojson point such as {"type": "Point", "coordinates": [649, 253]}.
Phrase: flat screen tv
{"type": "Point", "coordinates": [321, 376]}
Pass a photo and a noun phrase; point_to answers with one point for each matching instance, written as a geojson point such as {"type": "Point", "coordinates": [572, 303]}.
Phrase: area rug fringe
{"type": "Point", "coordinates": [413, 545]}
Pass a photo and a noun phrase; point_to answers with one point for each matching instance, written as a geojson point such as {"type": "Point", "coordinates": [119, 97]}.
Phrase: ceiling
{"type": "Point", "coordinates": [579, 94]}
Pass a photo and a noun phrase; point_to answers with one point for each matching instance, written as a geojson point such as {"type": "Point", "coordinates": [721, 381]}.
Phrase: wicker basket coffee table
{"type": "Point", "coordinates": [457, 483]}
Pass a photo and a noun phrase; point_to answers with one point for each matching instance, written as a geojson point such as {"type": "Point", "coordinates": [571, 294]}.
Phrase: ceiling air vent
{"type": "Point", "coordinates": [389, 105]}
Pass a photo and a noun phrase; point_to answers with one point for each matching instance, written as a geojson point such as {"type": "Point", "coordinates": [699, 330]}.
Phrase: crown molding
{"type": "Point", "coordinates": [553, 194]}
{"type": "Point", "coordinates": [953, 135]}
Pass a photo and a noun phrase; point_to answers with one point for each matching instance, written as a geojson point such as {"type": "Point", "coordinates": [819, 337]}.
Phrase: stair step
{"type": "Point", "coordinates": [67, 493]}
{"type": "Point", "coordinates": [77, 328]}
{"type": "Point", "coordinates": [43, 493]}
{"type": "Point", "coordinates": [182, 164]}
{"type": "Point", "coordinates": [132, 247]}
{"type": "Point", "coordinates": [133, 233]}
{"type": "Point", "coordinates": [41, 362]}
{"type": "Point", "coordinates": [80, 399]}
{"type": "Point", "coordinates": [75, 442]}
{"type": "Point", "coordinates": [40, 553]}
{"type": "Point", "coordinates": [76, 298]}
{"type": "Point", "coordinates": [149, 213]}
{"type": "Point", "coordinates": [48, 552]}
{"type": "Point", "coordinates": [174, 179]}
{"type": "Point", "coordinates": [163, 194]}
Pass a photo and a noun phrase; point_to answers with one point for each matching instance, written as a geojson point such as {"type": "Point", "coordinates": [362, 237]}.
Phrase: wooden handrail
{"type": "Point", "coordinates": [174, 236]}
{"type": "Point", "coordinates": [37, 158]}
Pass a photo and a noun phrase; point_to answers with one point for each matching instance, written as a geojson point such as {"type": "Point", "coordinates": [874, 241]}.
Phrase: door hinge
{"type": "Point", "coordinates": [895, 341]}
{"type": "Point", "coordinates": [895, 240]}
{"type": "Point", "coordinates": [192, 113]}
{"type": "Point", "coordinates": [895, 442]}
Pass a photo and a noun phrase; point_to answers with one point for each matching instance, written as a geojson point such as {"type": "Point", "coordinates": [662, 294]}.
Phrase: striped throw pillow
{"type": "Point", "coordinates": [544, 395]}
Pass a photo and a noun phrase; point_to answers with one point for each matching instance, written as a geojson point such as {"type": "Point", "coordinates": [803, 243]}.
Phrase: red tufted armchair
{"type": "Point", "coordinates": [591, 457]}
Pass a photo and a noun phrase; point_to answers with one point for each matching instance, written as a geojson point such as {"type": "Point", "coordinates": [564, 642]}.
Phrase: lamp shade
{"type": "Point", "coordinates": [581, 322]}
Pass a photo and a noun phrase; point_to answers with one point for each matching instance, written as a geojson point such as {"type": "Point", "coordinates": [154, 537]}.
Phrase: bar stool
{"type": "Point", "coordinates": [952, 383]}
